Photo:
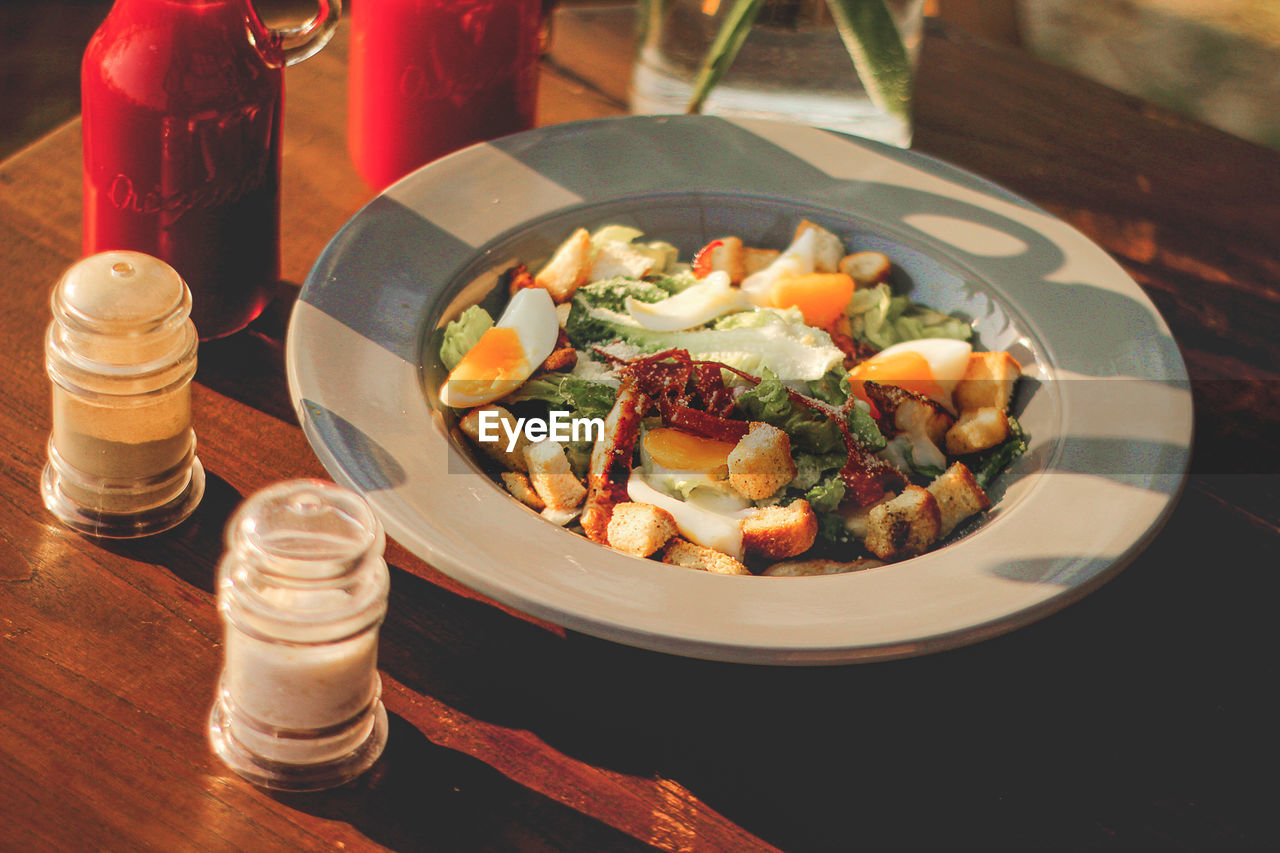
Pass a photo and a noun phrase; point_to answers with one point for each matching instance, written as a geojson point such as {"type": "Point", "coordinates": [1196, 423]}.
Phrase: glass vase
{"type": "Point", "coordinates": [793, 65]}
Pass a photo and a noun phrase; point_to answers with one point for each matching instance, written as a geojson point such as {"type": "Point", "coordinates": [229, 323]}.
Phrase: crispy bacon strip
{"type": "Point", "coordinates": [704, 424]}
{"type": "Point", "coordinates": [611, 461]}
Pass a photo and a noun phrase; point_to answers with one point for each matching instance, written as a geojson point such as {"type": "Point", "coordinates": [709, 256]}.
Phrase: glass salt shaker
{"type": "Point", "coordinates": [302, 590]}
{"type": "Point", "coordinates": [120, 353]}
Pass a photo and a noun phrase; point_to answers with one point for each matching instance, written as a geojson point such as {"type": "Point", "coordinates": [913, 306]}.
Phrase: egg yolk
{"type": "Point", "coordinates": [907, 370]}
{"type": "Point", "coordinates": [496, 356]}
{"type": "Point", "coordinates": [683, 451]}
{"type": "Point", "coordinates": [821, 297]}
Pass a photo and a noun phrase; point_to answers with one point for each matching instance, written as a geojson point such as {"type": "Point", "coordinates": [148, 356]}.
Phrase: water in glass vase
{"type": "Point", "coordinates": [793, 65]}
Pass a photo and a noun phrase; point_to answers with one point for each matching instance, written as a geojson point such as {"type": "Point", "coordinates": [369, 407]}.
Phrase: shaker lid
{"type": "Point", "coordinates": [123, 289]}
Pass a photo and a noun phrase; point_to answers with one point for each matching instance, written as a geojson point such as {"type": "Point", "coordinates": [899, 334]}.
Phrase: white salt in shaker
{"type": "Point", "coordinates": [121, 352]}
{"type": "Point", "coordinates": [302, 590]}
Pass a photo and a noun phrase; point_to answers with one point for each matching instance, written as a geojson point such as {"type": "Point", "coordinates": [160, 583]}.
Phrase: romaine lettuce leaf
{"type": "Point", "coordinates": [880, 319]}
{"type": "Point", "coordinates": [462, 334]}
{"type": "Point", "coordinates": [827, 494]}
{"type": "Point", "coordinates": [612, 293]}
{"type": "Point", "coordinates": [562, 392]}
{"type": "Point", "coordinates": [989, 463]}
{"type": "Point", "coordinates": [791, 350]}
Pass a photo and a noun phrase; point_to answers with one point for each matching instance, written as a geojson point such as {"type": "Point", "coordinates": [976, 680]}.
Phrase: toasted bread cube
{"type": "Point", "coordinates": [867, 269]}
{"type": "Point", "coordinates": [780, 531]}
{"type": "Point", "coordinates": [681, 552]}
{"type": "Point", "coordinates": [857, 519]}
{"type": "Point", "coordinates": [616, 258]}
{"type": "Point", "coordinates": [958, 495]}
{"type": "Point", "coordinates": [977, 429]}
{"type": "Point", "coordinates": [987, 382]}
{"type": "Point", "coordinates": [552, 477]}
{"type": "Point", "coordinates": [568, 267]}
{"type": "Point", "coordinates": [563, 357]}
{"type": "Point", "coordinates": [809, 568]}
{"type": "Point", "coordinates": [760, 463]}
{"type": "Point", "coordinates": [522, 489]}
{"type": "Point", "coordinates": [497, 450]}
{"type": "Point", "coordinates": [827, 246]}
{"type": "Point", "coordinates": [640, 529]}
{"type": "Point", "coordinates": [728, 255]}
{"type": "Point", "coordinates": [754, 260]}
{"type": "Point", "coordinates": [905, 526]}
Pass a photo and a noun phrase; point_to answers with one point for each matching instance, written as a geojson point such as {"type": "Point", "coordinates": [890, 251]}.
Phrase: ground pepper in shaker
{"type": "Point", "coordinates": [302, 591]}
{"type": "Point", "coordinates": [120, 353]}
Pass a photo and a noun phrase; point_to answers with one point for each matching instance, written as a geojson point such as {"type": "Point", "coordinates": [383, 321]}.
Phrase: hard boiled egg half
{"type": "Point", "coordinates": [792, 281]}
{"type": "Point", "coordinates": [930, 367]}
{"type": "Point", "coordinates": [507, 354]}
{"type": "Point", "coordinates": [677, 461]}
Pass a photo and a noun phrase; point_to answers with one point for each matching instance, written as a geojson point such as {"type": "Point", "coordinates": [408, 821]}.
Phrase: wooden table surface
{"type": "Point", "coordinates": [1142, 717]}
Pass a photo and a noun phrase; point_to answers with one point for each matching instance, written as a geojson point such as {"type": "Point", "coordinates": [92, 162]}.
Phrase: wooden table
{"type": "Point", "coordinates": [1140, 718]}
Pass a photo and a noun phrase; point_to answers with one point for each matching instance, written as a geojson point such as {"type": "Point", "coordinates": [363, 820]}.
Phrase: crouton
{"type": "Point", "coordinates": [568, 267]}
{"type": "Point", "coordinates": [827, 247]}
{"type": "Point", "coordinates": [780, 531]}
{"type": "Point", "coordinates": [563, 357]}
{"type": "Point", "coordinates": [808, 568]}
{"type": "Point", "coordinates": [517, 278]}
{"type": "Point", "coordinates": [497, 450]}
{"type": "Point", "coordinates": [905, 526]}
{"type": "Point", "coordinates": [727, 254]}
{"type": "Point", "coordinates": [552, 477]}
{"type": "Point", "coordinates": [977, 429]}
{"type": "Point", "coordinates": [987, 382]}
{"type": "Point", "coordinates": [616, 258]}
{"type": "Point", "coordinates": [639, 529]}
{"type": "Point", "coordinates": [522, 489]}
{"type": "Point", "coordinates": [958, 495]}
{"type": "Point", "coordinates": [857, 519]}
{"type": "Point", "coordinates": [867, 269]}
{"type": "Point", "coordinates": [754, 260]}
{"type": "Point", "coordinates": [760, 463]}
{"type": "Point", "coordinates": [681, 552]}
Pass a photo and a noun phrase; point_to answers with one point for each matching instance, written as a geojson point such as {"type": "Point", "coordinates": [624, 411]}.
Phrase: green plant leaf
{"type": "Point", "coordinates": [649, 15]}
{"type": "Point", "coordinates": [733, 32]}
{"type": "Point", "coordinates": [879, 55]}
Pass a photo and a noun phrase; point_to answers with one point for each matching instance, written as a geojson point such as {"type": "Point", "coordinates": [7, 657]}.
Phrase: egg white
{"type": "Point", "coordinates": [699, 525]}
{"type": "Point", "coordinates": [800, 258]}
{"type": "Point", "coordinates": [710, 298]}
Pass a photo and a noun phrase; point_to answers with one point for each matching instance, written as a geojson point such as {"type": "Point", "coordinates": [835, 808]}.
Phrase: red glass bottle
{"type": "Point", "coordinates": [431, 76]}
{"type": "Point", "coordinates": [181, 103]}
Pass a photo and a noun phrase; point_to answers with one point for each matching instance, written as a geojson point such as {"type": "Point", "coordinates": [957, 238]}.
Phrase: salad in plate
{"type": "Point", "coordinates": [752, 411]}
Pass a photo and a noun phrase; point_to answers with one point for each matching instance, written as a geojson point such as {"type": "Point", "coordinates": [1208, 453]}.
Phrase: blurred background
{"type": "Point", "coordinates": [1214, 60]}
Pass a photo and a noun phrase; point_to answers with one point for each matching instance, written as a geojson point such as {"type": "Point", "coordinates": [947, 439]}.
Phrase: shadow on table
{"type": "Point", "coordinates": [1133, 712]}
{"type": "Point", "coordinates": [249, 365]}
{"type": "Point", "coordinates": [192, 549]}
{"type": "Point", "coordinates": [420, 796]}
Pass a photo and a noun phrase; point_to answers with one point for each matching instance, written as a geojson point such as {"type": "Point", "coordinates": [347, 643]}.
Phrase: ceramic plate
{"type": "Point", "coordinates": [1105, 399]}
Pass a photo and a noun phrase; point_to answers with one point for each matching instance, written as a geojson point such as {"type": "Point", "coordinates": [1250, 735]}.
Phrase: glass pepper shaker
{"type": "Point", "coordinates": [121, 352]}
{"type": "Point", "coordinates": [302, 591]}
